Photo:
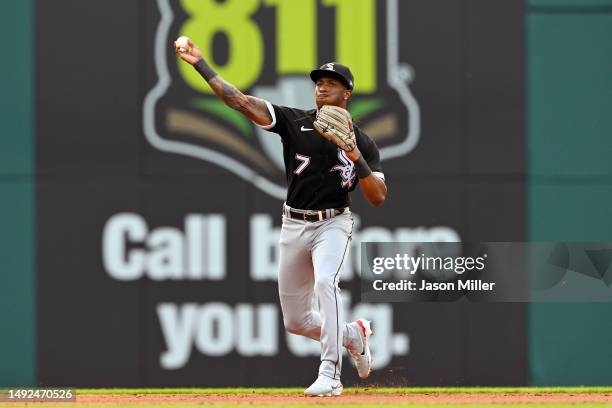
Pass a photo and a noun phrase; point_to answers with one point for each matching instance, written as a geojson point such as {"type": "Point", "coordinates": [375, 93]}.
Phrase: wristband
{"type": "Point", "coordinates": [205, 70]}
{"type": "Point", "coordinates": [363, 170]}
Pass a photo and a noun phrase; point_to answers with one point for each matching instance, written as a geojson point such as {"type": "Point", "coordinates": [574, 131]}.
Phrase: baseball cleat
{"type": "Point", "coordinates": [362, 357]}
{"type": "Point", "coordinates": [324, 387]}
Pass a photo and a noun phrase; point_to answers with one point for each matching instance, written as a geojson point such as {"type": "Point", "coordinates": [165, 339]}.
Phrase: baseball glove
{"type": "Point", "coordinates": [336, 125]}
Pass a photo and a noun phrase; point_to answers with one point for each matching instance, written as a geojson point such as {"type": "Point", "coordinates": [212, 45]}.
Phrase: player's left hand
{"type": "Point", "coordinates": [336, 125]}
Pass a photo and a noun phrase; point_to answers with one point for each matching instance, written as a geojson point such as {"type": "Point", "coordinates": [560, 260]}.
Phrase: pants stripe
{"type": "Point", "coordinates": [336, 298]}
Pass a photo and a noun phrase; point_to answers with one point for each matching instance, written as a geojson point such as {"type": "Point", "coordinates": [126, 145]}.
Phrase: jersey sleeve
{"type": "Point", "coordinates": [371, 154]}
{"type": "Point", "coordinates": [279, 118]}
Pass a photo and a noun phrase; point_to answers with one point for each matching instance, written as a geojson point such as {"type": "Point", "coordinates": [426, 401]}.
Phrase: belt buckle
{"type": "Point", "coordinates": [317, 213]}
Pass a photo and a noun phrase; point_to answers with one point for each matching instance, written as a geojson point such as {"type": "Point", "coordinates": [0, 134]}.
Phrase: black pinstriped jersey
{"type": "Point", "coordinates": [319, 174]}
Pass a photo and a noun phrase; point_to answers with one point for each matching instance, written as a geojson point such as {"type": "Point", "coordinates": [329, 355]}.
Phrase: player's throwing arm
{"type": "Point", "coordinates": [253, 108]}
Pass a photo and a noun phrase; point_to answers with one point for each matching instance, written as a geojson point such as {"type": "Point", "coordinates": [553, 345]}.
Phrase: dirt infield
{"type": "Point", "coordinates": [351, 398]}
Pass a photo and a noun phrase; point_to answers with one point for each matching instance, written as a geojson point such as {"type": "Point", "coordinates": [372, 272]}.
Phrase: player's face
{"type": "Point", "coordinates": [331, 91]}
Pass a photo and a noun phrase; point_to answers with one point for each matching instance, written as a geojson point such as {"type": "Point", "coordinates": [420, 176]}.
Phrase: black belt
{"type": "Point", "coordinates": [314, 215]}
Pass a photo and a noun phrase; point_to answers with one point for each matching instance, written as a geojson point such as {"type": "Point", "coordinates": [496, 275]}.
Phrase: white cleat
{"type": "Point", "coordinates": [324, 387]}
{"type": "Point", "coordinates": [361, 356]}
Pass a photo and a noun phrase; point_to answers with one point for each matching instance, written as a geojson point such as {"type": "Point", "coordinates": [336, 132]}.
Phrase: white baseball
{"type": "Point", "coordinates": [183, 44]}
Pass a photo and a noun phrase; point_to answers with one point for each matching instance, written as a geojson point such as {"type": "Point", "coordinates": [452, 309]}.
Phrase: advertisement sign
{"type": "Point", "coordinates": [159, 208]}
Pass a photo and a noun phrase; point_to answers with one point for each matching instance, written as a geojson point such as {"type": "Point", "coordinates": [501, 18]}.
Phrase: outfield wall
{"type": "Point", "coordinates": [569, 86]}
{"type": "Point", "coordinates": [165, 254]}
{"type": "Point", "coordinates": [17, 195]}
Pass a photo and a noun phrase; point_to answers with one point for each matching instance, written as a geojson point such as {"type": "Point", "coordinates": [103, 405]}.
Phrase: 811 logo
{"type": "Point", "coordinates": [267, 48]}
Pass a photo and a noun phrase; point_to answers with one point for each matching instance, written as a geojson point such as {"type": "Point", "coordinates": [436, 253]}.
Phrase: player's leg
{"type": "Point", "coordinates": [296, 280]}
{"type": "Point", "coordinates": [296, 284]}
{"type": "Point", "coordinates": [329, 252]}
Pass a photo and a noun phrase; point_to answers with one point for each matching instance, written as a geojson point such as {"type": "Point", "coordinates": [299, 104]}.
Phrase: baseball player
{"type": "Point", "coordinates": [325, 158]}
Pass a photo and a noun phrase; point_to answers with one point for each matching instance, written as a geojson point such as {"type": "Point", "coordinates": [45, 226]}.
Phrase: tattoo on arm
{"type": "Point", "coordinates": [224, 90]}
{"type": "Point", "coordinates": [229, 91]}
{"type": "Point", "coordinates": [253, 108]}
{"type": "Point", "coordinates": [260, 108]}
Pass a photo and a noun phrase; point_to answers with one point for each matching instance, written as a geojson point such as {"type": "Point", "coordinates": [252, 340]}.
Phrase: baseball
{"type": "Point", "coordinates": [183, 44]}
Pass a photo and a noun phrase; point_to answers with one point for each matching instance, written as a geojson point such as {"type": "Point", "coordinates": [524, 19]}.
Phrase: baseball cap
{"type": "Point", "coordinates": [333, 69]}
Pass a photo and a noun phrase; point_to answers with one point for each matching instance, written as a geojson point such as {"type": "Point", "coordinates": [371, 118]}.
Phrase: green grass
{"type": "Point", "coordinates": [349, 390]}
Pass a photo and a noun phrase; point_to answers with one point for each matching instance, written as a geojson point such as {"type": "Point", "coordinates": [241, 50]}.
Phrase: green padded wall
{"type": "Point", "coordinates": [569, 58]}
{"type": "Point", "coordinates": [17, 255]}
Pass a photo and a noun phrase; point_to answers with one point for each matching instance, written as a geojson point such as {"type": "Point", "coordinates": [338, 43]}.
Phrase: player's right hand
{"type": "Point", "coordinates": [192, 55]}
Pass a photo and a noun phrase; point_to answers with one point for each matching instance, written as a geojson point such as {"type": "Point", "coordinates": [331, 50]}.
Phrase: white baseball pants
{"type": "Point", "coordinates": [312, 256]}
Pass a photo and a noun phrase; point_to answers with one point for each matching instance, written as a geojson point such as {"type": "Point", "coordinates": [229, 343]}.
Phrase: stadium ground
{"type": "Point", "coordinates": [352, 397]}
